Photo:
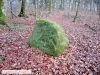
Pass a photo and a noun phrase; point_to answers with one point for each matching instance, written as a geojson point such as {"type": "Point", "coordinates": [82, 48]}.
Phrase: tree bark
{"type": "Point", "coordinates": [2, 16]}
{"type": "Point", "coordinates": [11, 9]}
{"type": "Point", "coordinates": [46, 4]}
{"type": "Point", "coordinates": [50, 6]}
{"type": "Point", "coordinates": [77, 10]}
{"type": "Point", "coordinates": [23, 7]}
{"type": "Point", "coordinates": [62, 4]}
{"type": "Point", "coordinates": [98, 10]}
{"type": "Point", "coordinates": [97, 2]}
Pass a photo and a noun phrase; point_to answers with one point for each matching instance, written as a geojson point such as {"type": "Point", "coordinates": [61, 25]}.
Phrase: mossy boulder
{"type": "Point", "coordinates": [3, 19]}
{"type": "Point", "coordinates": [2, 16]}
{"type": "Point", "coordinates": [49, 37]}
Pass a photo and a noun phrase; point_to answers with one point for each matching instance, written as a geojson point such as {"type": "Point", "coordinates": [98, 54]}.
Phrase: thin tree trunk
{"type": "Point", "coordinates": [62, 4]}
{"type": "Point", "coordinates": [39, 7]}
{"type": "Point", "coordinates": [11, 9]}
{"type": "Point", "coordinates": [55, 4]}
{"type": "Point", "coordinates": [91, 6]}
{"type": "Point", "coordinates": [46, 4]}
{"type": "Point", "coordinates": [50, 6]}
{"type": "Point", "coordinates": [72, 5]}
{"type": "Point", "coordinates": [77, 11]}
{"type": "Point", "coordinates": [69, 4]}
{"type": "Point", "coordinates": [98, 10]}
{"type": "Point", "coordinates": [2, 16]}
{"type": "Point", "coordinates": [23, 7]}
{"type": "Point", "coordinates": [34, 2]}
{"type": "Point", "coordinates": [36, 9]}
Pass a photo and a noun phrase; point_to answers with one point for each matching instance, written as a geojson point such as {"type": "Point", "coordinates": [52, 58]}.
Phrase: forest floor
{"type": "Point", "coordinates": [81, 58]}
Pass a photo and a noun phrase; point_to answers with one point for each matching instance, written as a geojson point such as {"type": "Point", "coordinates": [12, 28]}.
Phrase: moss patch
{"type": "Point", "coordinates": [19, 27]}
{"type": "Point", "coordinates": [49, 37]}
{"type": "Point", "coordinates": [2, 16]}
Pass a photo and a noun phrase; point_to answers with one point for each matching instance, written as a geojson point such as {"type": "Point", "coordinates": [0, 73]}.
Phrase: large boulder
{"type": "Point", "coordinates": [49, 37]}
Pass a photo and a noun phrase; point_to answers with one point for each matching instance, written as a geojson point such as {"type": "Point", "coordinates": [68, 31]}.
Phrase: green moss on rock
{"type": "Point", "coordinates": [49, 37]}
{"type": "Point", "coordinates": [3, 19]}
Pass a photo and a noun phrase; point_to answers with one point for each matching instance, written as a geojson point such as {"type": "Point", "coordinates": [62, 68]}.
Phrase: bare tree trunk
{"type": "Point", "coordinates": [69, 4]}
{"type": "Point", "coordinates": [35, 8]}
{"type": "Point", "coordinates": [46, 4]}
{"type": "Point", "coordinates": [62, 4]}
{"type": "Point", "coordinates": [98, 10]}
{"type": "Point", "coordinates": [97, 2]}
{"type": "Point", "coordinates": [34, 2]}
{"type": "Point", "coordinates": [72, 5]}
{"type": "Point", "coordinates": [37, 15]}
{"type": "Point", "coordinates": [23, 7]}
{"type": "Point", "coordinates": [2, 16]}
{"type": "Point", "coordinates": [11, 9]}
{"type": "Point", "coordinates": [77, 11]}
{"type": "Point", "coordinates": [50, 6]}
{"type": "Point", "coordinates": [12, 14]}
{"type": "Point", "coordinates": [55, 4]}
{"type": "Point", "coordinates": [91, 5]}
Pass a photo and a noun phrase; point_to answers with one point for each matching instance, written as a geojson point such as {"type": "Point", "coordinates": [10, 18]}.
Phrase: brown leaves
{"type": "Point", "coordinates": [84, 50]}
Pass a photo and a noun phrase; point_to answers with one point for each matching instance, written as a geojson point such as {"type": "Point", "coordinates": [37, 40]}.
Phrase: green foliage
{"type": "Point", "coordinates": [49, 37]}
{"type": "Point", "coordinates": [19, 27]}
{"type": "Point", "coordinates": [7, 41]}
{"type": "Point", "coordinates": [3, 19]}
{"type": "Point", "coordinates": [2, 57]}
{"type": "Point", "coordinates": [1, 26]}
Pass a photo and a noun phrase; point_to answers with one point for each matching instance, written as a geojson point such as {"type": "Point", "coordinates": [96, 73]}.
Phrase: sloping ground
{"type": "Point", "coordinates": [82, 59]}
{"type": "Point", "coordinates": [84, 55]}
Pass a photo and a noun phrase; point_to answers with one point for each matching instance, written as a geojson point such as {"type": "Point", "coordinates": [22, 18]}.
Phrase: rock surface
{"type": "Point", "coordinates": [49, 37]}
